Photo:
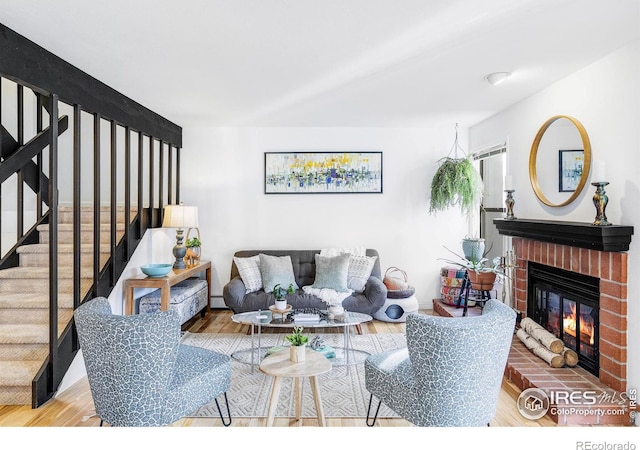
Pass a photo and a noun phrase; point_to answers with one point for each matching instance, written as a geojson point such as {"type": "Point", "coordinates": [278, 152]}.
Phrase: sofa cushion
{"type": "Point", "coordinates": [331, 272]}
{"type": "Point", "coordinates": [276, 270]}
{"type": "Point", "coordinates": [249, 269]}
{"type": "Point", "coordinates": [360, 268]}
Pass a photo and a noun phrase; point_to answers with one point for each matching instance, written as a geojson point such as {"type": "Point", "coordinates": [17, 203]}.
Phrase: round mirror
{"type": "Point", "coordinates": [559, 161]}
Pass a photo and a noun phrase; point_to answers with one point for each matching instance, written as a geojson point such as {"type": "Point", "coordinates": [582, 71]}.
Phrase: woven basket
{"type": "Point", "coordinates": [397, 284]}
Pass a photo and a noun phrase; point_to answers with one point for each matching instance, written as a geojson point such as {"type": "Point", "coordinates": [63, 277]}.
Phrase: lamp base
{"type": "Point", "coordinates": [179, 251]}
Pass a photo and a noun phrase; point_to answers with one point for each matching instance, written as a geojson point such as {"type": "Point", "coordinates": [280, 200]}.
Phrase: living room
{"type": "Point", "coordinates": [223, 157]}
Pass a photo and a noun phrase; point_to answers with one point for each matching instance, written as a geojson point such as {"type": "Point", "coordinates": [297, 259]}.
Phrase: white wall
{"type": "Point", "coordinates": [605, 98]}
{"type": "Point", "coordinates": [223, 174]}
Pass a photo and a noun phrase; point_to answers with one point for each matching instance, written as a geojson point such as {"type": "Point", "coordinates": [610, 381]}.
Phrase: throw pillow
{"type": "Point", "coordinates": [249, 269]}
{"type": "Point", "coordinates": [276, 270]}
{"type": "Point", "coordinates": [331, 272]}
{"type": "Point", "coordinates": [360, 268]}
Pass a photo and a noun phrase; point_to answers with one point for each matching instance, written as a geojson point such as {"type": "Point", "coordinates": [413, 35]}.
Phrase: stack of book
{"type": "Point", "coordinates": [306, 317]}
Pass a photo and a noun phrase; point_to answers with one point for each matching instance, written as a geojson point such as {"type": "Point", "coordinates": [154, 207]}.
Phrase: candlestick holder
{"type": "Point", "coordinates": [510, 202]}
{"type": "Point", "coordinates": [600, 201]}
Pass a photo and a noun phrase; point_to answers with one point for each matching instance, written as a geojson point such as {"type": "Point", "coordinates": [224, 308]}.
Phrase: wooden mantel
{"type": "Point", "coordinates": [611, 238]}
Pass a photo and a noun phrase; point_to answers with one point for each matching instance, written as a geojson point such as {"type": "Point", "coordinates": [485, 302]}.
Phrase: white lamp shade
{"type": "Point", "coordinates": [180, 216]}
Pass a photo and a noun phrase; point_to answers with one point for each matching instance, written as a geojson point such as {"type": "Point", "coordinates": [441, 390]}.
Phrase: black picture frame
{"type": "Point", "coordinates": [323, 172]}
{"type": "Point", "coordinates": [570, 167]}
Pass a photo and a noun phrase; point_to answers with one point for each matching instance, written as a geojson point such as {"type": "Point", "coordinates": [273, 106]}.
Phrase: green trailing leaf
{"type": "Point", "coordinates": [455, 183]}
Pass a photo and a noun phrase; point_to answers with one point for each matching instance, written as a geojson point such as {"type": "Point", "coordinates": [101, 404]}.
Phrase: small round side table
{"type": "Point", "coordinates": [279, 366]}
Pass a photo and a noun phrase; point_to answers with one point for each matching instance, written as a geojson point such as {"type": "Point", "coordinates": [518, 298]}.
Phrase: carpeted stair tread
{"type": "Point", "coordinates": [19, 334]}
{"type": "Point", "coordinates": [62, 248]}
{"type": "Point", "coordinates": [32, 300]}
{"type": "Point", "coordinates": [40, 273]}
{"type": "Point", "coordinates": [18, 373]}
{"type": "Point", "coordinates": [44, 228]}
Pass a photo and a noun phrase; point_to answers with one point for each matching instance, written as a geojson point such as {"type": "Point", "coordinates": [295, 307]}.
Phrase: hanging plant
{"type": "Point", "coordinates": [456, 183]}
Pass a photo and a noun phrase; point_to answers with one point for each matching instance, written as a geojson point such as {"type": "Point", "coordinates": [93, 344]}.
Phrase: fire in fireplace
{"type": "Point", "coordinates": [567, 305]}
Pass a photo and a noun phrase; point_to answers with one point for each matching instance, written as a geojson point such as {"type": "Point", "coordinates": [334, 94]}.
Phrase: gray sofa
{"type": "Point", "coordinates": [304, 268]}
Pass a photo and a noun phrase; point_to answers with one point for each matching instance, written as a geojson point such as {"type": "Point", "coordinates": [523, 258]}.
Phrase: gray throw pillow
{"type": "Point", "coordinates": [331, 273]}
{"type": "Point", "coordinates": [276, 270]}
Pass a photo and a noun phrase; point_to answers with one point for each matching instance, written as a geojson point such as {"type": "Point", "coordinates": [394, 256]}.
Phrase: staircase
{"type": "Point", "coordinates": [24, 298]}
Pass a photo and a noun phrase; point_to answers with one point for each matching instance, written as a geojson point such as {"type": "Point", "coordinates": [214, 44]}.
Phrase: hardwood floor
{"type": "Point", "coordinates": [74, 406]}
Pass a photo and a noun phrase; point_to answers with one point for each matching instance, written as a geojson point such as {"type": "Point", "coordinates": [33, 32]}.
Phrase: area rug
{"type": "Point", "coordinates": [342, 389]}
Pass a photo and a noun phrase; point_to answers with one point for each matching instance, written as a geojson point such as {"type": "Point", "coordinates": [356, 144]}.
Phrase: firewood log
{"type": "Point", "coordinates": [553, 359]}
{"type": "Point", "coordinates": [538, 332]}
{"type": "Point", "coordinates": [570, 357]}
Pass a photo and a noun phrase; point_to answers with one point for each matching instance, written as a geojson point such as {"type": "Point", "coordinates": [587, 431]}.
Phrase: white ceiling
{"type": "Point", "coordinates": [378, 63]}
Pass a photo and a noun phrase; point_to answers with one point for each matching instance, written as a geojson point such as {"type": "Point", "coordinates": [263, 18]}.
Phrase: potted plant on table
{"type": "Point", "coordinates": [481, 275]}
{"type": "Point", "coordinates": [280, 294]}
{"type": "Point", "coordinates": [298, 343]}
{"type": "Point", "coordinates": [193, 251]}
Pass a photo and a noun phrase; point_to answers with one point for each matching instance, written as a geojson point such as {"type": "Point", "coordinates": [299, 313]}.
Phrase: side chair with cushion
{"type": "Point", "coordinates": [139, 373]}
{"type": "Point", "coordinates": [450, 373]}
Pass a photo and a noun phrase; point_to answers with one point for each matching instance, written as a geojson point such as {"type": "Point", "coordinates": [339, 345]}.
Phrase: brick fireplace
{"type": "Point", "coordinates": [587, 250]}
{"type": "Point", "coordinates": [611, 269]}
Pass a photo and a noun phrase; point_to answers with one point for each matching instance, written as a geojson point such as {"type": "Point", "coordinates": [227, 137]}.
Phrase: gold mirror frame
{"type": "Point", "coordinates": [533, 175]}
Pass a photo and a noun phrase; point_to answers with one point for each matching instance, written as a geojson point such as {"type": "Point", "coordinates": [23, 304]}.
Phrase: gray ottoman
{"type": "Point", "coordinates": [188, 298]}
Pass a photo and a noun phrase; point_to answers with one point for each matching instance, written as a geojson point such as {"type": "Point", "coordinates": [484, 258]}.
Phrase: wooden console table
{"type": "Point", "coordinates": [165, 283]}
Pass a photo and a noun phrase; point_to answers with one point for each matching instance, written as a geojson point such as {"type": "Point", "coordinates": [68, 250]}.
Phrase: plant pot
{"type": "Point", "coordinates": [297, 353]}
{"type": "Point", "coordinates": [281, 305]}
{"type": "Point", "coordinates": [193, 256]}
{"type": "Point", "coordinates": [482, 281]}
{"type": "Point", "coordinates": [473, 249]}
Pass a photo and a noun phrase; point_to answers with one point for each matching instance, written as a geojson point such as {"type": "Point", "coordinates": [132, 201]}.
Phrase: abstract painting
{"type": "Point", "coordinates": [322, 172]}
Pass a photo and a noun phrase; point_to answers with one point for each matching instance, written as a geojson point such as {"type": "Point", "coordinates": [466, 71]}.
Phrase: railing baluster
{"type": "Point", "coordinates": [170, 177]}
{"type": "Point", "coordinates": [77, 204]}
{"type": "Point", "coordinates": [113, 203]}
{"type": "Point", "coordinates": [39, 128]}
{"type": "Point", "coordinates": [1, 157]}
{"type": "Point", "coordinates": [20, 179]}
{"type": "Point", "coordinates": [160, 178]}
{"type": "Point", "coordinates": [96, 204]}
{"type": "Point", "coordinates": [53, 240]}
{"type": "Point", "coordinates": [141, 221]}
{"type": "Point", "coordinates": [177, 175]}
{"type": "Point", "coordinates": [127, 191]}
{"type": "Point", "coordinates": [152, 222]}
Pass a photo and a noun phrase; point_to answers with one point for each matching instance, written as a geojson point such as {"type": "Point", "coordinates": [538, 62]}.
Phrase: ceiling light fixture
{"type": "Point", "coordinates": [497, 77]}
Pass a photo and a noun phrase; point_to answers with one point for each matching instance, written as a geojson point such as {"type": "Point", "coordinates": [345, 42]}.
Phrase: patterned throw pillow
{"type": "Point", "coordinates": [249, 269]}
{"type": "Point", "coordinates": [331, 272]}
{"type": "Point", "coordinates": [276, 270]}
{"type": "Point", "coordinates": [360, 268]}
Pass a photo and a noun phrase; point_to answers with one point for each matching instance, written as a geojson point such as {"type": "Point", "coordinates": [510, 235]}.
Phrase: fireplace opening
{"type": "Point", "coordinates": [567, 305]}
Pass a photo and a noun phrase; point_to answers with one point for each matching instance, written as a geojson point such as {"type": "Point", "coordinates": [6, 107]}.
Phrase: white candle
{"type": "Point", "coordinates": [599, 171]}
{"type": "Point", "coordinates": [508, 183]}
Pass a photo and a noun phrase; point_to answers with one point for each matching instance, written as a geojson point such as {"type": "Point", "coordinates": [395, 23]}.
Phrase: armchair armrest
{"type": "Point", "coordinates": [376, 291]}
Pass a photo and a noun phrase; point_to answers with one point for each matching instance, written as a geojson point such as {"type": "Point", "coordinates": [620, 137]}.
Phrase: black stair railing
{"type": "Point", "coordinates": [57, 174]}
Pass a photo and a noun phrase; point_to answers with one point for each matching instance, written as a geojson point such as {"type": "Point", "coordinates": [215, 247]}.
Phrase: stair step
{"type": "Point", "coordinates": [18, 373]}
{"type": "Point", "coordinates": [66, 233]}
{"type": "Point", "coordinates": [24, 352]}
{"type": "Point", "coordinates": [37, 255]}
{"type": "Point", "coordinates": [29, 301]}
{"type": "Point", "coordinates": [36, 280]}
{"type": "Point", "coordinates": [65, 214]}
{"type": "Point", "coordinates": [18, 334]}
{"type": "Point", "coordinates": [15, 395]}
{"type": "Point", "coordinates": [36, 316]}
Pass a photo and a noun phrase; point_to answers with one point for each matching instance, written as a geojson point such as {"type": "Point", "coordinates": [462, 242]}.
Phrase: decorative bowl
{"type": "Point", "coordinates": [156, 270]}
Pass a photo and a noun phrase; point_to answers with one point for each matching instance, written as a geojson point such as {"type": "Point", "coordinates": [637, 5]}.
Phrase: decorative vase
{"type": "Point", "coordinates": [297, 353]}
{"type": "Point", "coordinates": [281, 305]}
{"type": "Point", "coordinates": [482, 281]}
{"type": "Point", "coordinates": [473, 249]}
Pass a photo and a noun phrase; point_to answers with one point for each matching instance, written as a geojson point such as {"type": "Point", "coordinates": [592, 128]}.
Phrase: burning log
{"type": "Point", "coordinates": [553, 359]}
{"type": "Point", "coordinates": [538, 332]}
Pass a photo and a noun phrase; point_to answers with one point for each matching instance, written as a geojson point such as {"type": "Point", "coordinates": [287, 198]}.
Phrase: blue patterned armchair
{"type": "Point", "coordinates": [139, 373]}
{"type": "Point", "coordinates": [450, 373]}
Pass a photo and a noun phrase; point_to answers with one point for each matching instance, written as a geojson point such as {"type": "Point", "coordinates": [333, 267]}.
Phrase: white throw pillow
{"type": "Point", "coordinates": [249, 269]}
{"type": "Point", "coordinates": [360, 268]}
{"type": "Point", "coordinates": [276, 270]}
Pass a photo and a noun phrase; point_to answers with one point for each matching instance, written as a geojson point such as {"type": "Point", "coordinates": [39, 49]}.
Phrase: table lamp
{"type": "Point", "coordinates": [180, 217]}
